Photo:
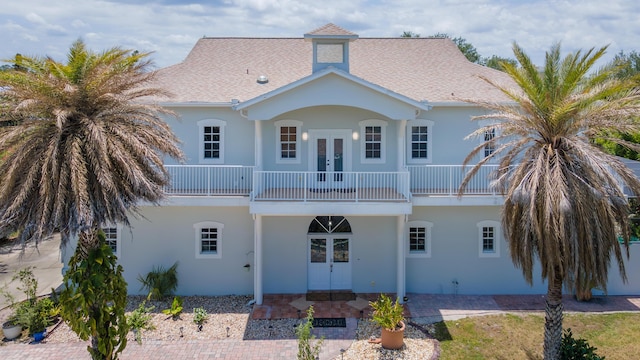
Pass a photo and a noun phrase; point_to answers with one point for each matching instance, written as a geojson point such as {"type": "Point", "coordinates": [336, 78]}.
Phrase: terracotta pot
{"type": "Point", "coordinates": [11, 331]}
{"type": "Point", "coordinates": [393, 339]}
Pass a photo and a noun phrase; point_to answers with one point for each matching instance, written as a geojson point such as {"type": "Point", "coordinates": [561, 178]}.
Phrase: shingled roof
{"type": "Point", "coordinates": [218, 70]}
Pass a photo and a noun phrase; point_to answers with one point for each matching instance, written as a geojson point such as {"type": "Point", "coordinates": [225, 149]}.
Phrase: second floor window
{"type": "Point", "coordinates": [373, 134]}
{"type": "Point", "coordinates": [490, 146]}
{"type": "Point", "coordinates": [211, 144]}
{"type": "Point", "coordinates": [288, 141]}
{"type": "Point", "coordinates": [419, 141]}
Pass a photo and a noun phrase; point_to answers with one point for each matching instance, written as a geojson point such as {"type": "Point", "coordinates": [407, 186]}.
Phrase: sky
{"type": "Point", "coordinates": [170, 28]}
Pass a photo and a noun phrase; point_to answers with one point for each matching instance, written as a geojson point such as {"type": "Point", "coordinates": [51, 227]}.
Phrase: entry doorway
{"type": "Point", "coordinates": [329, 253]}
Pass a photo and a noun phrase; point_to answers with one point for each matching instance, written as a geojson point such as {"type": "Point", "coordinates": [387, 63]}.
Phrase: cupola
{"type": "Point", "coordinates": [330, 47]}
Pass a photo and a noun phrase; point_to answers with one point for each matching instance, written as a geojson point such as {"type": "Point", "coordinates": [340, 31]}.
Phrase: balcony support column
{"type": "Point", "coordinates": [401, 276]}
{"type": "Point", "coordinates": [402, 148]}
{"type": "Point", "coordinates": [257, 261]}
{"type": "Point", "coordinates": [258, 145]}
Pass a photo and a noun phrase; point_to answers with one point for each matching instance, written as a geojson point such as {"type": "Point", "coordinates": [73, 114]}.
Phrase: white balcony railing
{"type": "Point", "coordinates": [209, 180]}
{"type": "Point", "coordinates": [239, 180]}
{"type": "Point", "coordinates": [445, 180]}
{"type": "Point", "coordinates": [330, 186]}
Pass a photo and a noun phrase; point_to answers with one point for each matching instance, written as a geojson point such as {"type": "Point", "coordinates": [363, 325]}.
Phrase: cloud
{"type": "Point", "coordinates": [171, 27]}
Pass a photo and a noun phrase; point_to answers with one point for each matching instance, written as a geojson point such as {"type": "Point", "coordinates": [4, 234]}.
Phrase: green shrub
{"type": "Point", "coordinates": [140, 319]}
{"type": "Point", "coordinates": [176, 308]}
{"type": "Point", "coordinates": [200, 317]}
{"type": "Point", "coordinates": [303, 332]}
{"type": "Point", "coordinates": [94, 299]}
{"type": "Point", "coordinates": [386, 313]}
{"type": "Point", "coordinates": [160, 282]}
{"type": "Point", "coordinates": [577, 349]}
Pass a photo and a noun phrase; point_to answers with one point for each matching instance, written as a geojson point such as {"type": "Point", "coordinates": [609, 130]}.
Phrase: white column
{"type": "Point", "coordinates": [402, 148]}
{"type": "Point", "coordinates": [401, 259]}
{"type": "Point", "coordinates": [258, 145]}
{"type": "Point", "coordinates": [257, 261]}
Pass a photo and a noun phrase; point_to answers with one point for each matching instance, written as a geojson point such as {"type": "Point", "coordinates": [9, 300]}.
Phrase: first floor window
{"type": "Point", "coordinates": [489, 235]}
{"type": "Point", "coordinates": [419, 239]}
{"type": "Point", "coordinates": [208, 239]}
{"type": "Point", "coordinates": [111, 239]}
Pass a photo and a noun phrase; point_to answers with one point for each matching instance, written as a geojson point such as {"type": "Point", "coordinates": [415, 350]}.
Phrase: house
{"type": "Point", "coordinates": [327, 162]}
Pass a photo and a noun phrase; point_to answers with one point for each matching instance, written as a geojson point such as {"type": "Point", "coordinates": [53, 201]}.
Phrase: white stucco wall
{"type": "Point", "coordinates": [166, 235]}
{"type": "Point", "coordinates": [238, 137]}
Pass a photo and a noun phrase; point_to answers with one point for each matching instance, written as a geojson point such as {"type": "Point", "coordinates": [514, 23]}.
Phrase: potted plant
{"type": "Point", "coordinates": [389, 316]}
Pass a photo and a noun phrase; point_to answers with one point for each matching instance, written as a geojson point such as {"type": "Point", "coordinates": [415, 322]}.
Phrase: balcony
{"type": "Point", "coordinates": [445, 180]}
{"type": "Point", "coordinates": [305, 186]}
{"type": "Point", "coordinates": [209, 180]}
{"type": "Point", "coordinates": [330, 186]}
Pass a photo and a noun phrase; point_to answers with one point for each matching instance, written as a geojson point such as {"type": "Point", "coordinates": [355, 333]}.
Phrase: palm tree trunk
{"type": "Point", "coordinates": [87, 241]}
{"type": "Point", "coordinates": [553, 318]}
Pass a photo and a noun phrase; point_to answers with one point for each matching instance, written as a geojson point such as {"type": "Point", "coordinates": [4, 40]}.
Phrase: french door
{"type": "Point", "coordinates": [329, 263]}
{"type": "Point", "coordinates": [331, 153]}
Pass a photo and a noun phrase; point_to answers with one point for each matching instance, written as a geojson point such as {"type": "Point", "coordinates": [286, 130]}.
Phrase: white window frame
{"type": "Point", "coordinates": [201, 125]}
{"type": "Point", "coordinates": [429, 125]}
{"type": "Point", "coordinates": [198, 236]}
{"type": "Point", "coordinates": [363, 141]}
{"type": "Point", "coordinates": [288, 123]}
{"type": "Point", "coordinates": [427, 243]}
{"type": "Point", "coordinates": [118, 239]}
{"type": "Point", "coordinates": [497, 236]}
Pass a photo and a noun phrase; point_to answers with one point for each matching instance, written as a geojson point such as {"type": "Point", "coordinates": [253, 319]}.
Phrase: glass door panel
{"type": "Point", "coordinates": [318, 251]}
{"type": "Point", "coordinates": [340, 250]}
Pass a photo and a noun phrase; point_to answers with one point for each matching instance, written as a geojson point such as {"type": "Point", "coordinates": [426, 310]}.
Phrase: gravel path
{"type": "Point", "coordinates": [229, 318]}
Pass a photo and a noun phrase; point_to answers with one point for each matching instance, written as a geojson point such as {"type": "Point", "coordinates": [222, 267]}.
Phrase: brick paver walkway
{"type": "Point", "coordinates": [435, 306]}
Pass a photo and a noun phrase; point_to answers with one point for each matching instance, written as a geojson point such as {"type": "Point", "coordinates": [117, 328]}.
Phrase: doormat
{"type": "Point", "coordinates": [331, 296]}
{"type": "Point", "coordinates": [329, 322]}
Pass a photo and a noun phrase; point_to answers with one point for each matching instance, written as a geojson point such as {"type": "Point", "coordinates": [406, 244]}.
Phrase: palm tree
{"type": "Point", "coordinates": [84, 148]}
{"type": "Point", "coordinates": [564, 202]}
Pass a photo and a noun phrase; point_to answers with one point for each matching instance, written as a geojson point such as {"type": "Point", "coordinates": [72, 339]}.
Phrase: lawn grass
{"type": "Point", "coordinates": [520, 336]}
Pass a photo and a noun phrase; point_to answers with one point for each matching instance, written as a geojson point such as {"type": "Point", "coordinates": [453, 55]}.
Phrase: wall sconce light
{"type": "Point", "coordinates": [247, 267]}
{"type": "Point", "coordinates": [305, 136]}
{"type": "Point", "coordinates": [355, 135]}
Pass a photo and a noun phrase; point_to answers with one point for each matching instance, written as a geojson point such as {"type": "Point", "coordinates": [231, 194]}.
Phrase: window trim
{"type": "Point", "coordinates": [118, 239]}
{"type": "Point", "coordinates": [201, 125]}
{"type": "Point", "coordinates": [429, 124]}
{"type": "Point", "coordinates": [363, 141]}
{"type": "Point", "coordinates": [198, 232]}
{"type": "Point", "coordinates": [427, 243]}
{"type": "Point", "coordinates": [497, 231]}
{"type": "Point", "coordinates": [288, 123]}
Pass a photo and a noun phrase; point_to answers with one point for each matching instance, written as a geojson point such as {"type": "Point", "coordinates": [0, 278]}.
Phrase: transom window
{"type": "Point", "coordinates": [288, 141]}
{"type": "Point", "coordinates": [329, 225]}
{"type": "Point", "coordinates": [211, 141]}
{"type": "Point", "coordinates": [373, 134]}
{"type": "Point", "coordinates": [418, 235]}
{"type": "Point", "coordinates": [419, 135]}
{"type": "Point", "coordinates": [489, 238]}
{"type": "Point", "coordinates": [208, 239]}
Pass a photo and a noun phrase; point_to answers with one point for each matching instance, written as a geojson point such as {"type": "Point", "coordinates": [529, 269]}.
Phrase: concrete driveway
{"type": "Point", "coordinates": [45, 260]}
